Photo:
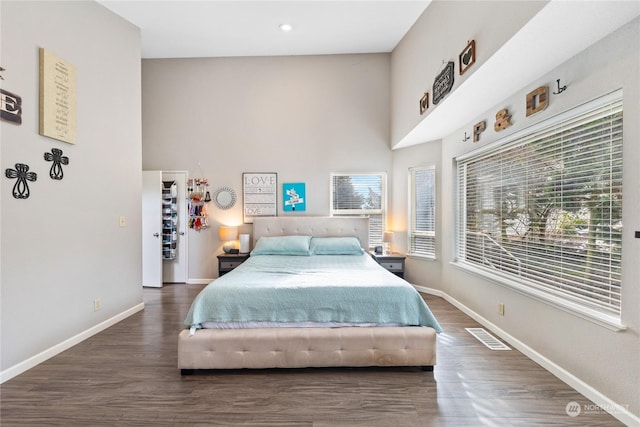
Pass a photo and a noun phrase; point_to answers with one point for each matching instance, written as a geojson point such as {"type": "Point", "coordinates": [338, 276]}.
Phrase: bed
{"type": "Point", "coordinates": [308, 296]}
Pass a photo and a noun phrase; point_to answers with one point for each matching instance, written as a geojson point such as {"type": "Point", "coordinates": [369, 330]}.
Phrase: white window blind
{"type": "Point", "coordinates": [543, 209]}
{"type": "Point", "coordinates": [361, 195]}
{"type": "Point", "coordinates": [422, 212]}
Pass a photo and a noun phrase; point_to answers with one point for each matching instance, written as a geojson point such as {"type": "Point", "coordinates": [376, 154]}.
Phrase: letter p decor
{"type": "Point", "coordinates": [537, 100]}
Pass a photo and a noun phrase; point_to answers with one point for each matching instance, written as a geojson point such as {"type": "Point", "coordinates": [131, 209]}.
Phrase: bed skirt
{"type": "Point", "coordinates": [306, 347]}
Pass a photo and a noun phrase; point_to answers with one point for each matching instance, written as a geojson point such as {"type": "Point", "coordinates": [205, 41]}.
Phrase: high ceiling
{"type": "Point", "coordinates": [214, 28]}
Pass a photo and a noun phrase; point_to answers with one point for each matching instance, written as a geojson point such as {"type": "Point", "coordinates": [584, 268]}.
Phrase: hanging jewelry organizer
{"type": "Point", "coordinates": [198, 195]}
{"type": "Point", "coordinates": [169, 219]}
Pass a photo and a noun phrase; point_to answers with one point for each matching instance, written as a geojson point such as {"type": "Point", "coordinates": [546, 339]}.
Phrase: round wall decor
{"type": "Point", "coordinates": [224, 198]}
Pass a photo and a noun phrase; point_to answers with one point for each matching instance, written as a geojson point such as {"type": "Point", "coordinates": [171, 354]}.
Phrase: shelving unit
{"type": "Point", "coordinates": [169, 219]}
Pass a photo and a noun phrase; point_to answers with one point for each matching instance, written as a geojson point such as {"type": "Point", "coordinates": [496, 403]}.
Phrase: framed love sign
{"type": "Point", "coordinates": [259, 195]}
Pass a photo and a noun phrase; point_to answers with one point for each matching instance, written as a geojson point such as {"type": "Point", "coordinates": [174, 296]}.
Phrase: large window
{"type": "Point", "coordinates": [361, 195]}
{"type": "Point", "coordinates": [542, 210]}
{"type": "Point", "coordinates": [422, 211]}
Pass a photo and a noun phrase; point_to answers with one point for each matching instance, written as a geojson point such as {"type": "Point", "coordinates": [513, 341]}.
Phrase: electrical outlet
{"type": "Point", "coordinates": [97, 304]}
{"type": "Point", "coordinates": [501, 309]}
{"type": "Point", "coordinates": [123, 221]}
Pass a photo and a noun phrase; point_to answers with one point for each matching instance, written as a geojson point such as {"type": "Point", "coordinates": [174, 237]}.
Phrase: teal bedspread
{"type": "Point", "coordinates": [319, 288]}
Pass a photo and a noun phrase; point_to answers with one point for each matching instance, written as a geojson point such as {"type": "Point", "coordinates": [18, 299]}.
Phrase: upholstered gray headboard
{"type": "Point", "coordinates": [312, 226]}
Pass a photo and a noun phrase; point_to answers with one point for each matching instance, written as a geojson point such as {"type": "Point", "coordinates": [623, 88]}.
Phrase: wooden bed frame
{"type": "Point", "coordinates": [307, 347]}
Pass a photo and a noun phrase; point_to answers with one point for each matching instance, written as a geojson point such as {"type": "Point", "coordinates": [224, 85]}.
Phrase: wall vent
{"type": "Point", "coordinates": [487, 339]}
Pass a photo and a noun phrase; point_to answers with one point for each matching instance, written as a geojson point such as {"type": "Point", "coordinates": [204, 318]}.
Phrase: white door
{"type": "Point", "coordinates": [151, 228]}
{"type": "Point", "coordinates": [175, 270]}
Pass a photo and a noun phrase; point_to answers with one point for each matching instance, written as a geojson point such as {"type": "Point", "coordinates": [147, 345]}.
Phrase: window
{"type": "Point", "coordinates": [361, 195]}
{"type": "Point", "coordinates": [422, 211]}
{"type": "Point", "coordinates": [542, 210]}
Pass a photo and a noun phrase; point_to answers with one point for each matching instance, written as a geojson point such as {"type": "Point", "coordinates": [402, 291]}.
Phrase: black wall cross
{"type": "Point", "coordinates": [21, 187]}
{"type": "Point", "coordinates": [58, 160]}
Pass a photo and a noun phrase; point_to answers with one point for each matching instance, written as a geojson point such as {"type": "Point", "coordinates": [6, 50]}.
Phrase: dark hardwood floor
{"type": "Point", "coordinates": [127, 375]}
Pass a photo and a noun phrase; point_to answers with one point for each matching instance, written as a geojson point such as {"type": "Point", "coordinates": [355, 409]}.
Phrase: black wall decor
{"type": "Point", "coordinates": [443, 82]}
{"type": "Point", "coordinates": [21, 187]}
{"type": "Point", "coordinates": [58, 160]}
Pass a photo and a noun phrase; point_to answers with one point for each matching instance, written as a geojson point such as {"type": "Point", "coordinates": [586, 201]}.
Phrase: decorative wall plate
{"type": "Point", "coordinates": [224, 198]}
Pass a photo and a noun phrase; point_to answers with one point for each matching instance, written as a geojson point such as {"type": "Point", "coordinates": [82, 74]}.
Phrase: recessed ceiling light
{"type": "Point", "coordinates": [286, 27]}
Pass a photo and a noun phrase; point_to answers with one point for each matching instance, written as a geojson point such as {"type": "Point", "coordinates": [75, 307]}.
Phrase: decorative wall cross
{"type": "Point", "coordinates": [21, 187]}
{"type": "Point", "coordinates": [58, 160]}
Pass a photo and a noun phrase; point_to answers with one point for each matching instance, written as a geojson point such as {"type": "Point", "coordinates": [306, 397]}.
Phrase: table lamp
{"type": "Point", "coordinates": [387, 238]}
{"type": "Point", "coordinates": [228, 235]}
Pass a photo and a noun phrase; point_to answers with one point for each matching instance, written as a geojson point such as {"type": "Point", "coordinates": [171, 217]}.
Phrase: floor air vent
{"type": "Point", "coordinates": [487, 339]}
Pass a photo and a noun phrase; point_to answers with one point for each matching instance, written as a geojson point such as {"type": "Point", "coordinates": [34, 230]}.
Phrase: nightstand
{"type": "Point", "coordinates": [227, 262]}
{"type": "Point", "coordinates": [393, 262]}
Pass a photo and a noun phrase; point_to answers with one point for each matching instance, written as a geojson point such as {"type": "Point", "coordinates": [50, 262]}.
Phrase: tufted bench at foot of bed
{"type": "Point", "coordinates": [306, 348]}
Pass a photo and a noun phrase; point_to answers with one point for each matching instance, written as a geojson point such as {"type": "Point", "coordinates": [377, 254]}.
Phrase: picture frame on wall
{"type": "Point", "coordinates": [294, 198]}
{"type": "Point", "coordinates": [467, 57]}
{"type": "Point", "coordinates": [424, 103]}
{"type": "Point", "coordinates": [259, 195]}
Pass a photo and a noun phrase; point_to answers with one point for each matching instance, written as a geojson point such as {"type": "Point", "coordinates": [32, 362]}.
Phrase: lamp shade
{"type": "Point", "coordinates": [228, 233]}
{"type": "Point", "coordinates": [387, 237]}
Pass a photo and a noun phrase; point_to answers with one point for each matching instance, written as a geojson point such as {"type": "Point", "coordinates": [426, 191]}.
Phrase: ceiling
{"type": "Point", "coordinates": [214, 28]}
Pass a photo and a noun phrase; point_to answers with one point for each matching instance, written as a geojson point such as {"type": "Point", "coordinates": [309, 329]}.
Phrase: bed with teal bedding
{"type": "Point", "coordinates": [307, 301]}
{"type": "Point", "coordinates": [323, 289]}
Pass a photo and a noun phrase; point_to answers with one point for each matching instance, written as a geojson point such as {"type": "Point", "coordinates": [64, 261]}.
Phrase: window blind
{"type": "Point", "coordinates": [361, 195]}
{"type": "Point", "coordinates": [422, 211]}
{"type": "Point", "coordinates": [544, 208]}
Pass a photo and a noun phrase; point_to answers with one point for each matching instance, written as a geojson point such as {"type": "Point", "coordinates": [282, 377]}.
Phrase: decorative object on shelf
{"type": "Point", "coordinates": [169, 219]}
{"type": "Point", "coordinates": [502, 120]}
{"type": "Point", "coordinates": [387, 239]}
{"type": "Point", "coordinates": [466, 138]}
{"type": "Point", "coordinates": [224, 198]}
{"type": "Point", "coordinates": [443, 83]}
{"type": "Point", "coordinates": [467, 57]}
{"type": "Point", "coordinates": [21, 187]}
{"type": "Point", "coordinates": [478, 128]}
{"type": "Point", "coordinates": [259, 195]}
{"type": "Point", "coordinates": [537, 100]}
{"type": "Point", "coordinates": [294, 198]}
{"type": "Point", "coordinates": [197, 190]}
{"type": "Point", "coordinates": [229, 235]}
{"type": "Point", "coordinates": [560, 89]}
{"type": "Point", "coordinates": [10, 107]}
{"type": "Point", "coordinates": [57, 98]}
{"type": "Point", "coordinates": [424, 103]}
{"type": "Point", "coordinates": [245, 243]}
{"type": "Point", "coordinates": [58, 160]}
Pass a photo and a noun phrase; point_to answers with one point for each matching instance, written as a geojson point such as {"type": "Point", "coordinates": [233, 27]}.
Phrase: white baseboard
{"type": "Point", "coordinates": [616, 410]}
{"type": "Point", "coordinates": [199, 281]}
{"type": "Point", "coordinates": [21, 367]}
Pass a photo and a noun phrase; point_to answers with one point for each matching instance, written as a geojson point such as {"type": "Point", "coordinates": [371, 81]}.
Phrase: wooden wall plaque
{"type": "Point", "coordinates": [57, 98]}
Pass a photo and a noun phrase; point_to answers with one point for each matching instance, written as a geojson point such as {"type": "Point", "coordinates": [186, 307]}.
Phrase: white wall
{"type": "Point", "coordinates": [603, 362]}
{"type": "Point", "coordinates": [62, 247]}
{"type": "Point", "coordinates": [437, 37]}
{"type": "Point", "coordinates": [301, 117]}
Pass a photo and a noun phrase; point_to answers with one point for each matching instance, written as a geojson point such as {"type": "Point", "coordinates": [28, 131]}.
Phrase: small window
{"type": "Point", "coordinates": [422, 211]}
{"type": "Point", "coordinates": [355, 194]}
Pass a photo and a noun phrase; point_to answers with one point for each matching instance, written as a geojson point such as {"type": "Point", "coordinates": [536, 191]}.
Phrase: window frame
{"type": "Point", "coordinates": [411, 229]}
{"type": "Point", "coordinates": [374, 240]}
{"type": "Point", "coordinates": [544, 294]}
